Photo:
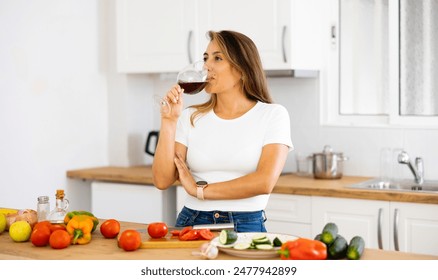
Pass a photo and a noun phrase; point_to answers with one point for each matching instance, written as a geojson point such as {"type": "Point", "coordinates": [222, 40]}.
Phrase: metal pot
{"type": "Point", "coordinates": [328, 165]}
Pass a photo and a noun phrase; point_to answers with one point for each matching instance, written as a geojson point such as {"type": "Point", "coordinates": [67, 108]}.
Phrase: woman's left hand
{"type": "Point", "coordinates": [185, 177]}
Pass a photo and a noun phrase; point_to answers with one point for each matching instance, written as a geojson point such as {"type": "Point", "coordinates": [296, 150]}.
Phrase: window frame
{"type": "Point", "coordinates": [329, 80]}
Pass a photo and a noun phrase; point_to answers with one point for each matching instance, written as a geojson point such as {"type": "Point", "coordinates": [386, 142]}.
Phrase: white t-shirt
{"type": "Point", "coordinates": [220, 150]}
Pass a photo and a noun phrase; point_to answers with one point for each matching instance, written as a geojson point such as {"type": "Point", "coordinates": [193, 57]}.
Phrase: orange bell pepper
{"type": "Point", "coordinates": [79, 227]}
{"type": "Point", "coordinates": [303, 249]}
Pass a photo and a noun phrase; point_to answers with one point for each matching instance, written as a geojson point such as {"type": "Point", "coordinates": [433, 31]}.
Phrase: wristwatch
{"type": "Point", "coordinates": [201, 185]}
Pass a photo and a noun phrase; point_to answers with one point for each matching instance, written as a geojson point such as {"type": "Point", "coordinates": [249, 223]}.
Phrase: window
{"type": "Point", "coordinates": [383, 63]}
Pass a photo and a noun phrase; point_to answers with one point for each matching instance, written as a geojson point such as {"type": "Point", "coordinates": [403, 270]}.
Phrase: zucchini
{"type": "Point", "coordinates": [329, 233]}
{"type": "Point", "coordinates": [338, 249]}
{"type": "Point", "coordinates": [355, 248]}
{"type": "Point", "coordinates": [227, 237]}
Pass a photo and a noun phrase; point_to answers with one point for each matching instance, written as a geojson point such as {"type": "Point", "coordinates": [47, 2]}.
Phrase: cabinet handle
{"type": "Point", "coordinates": [283, 43]}
{"type": "Point", "coordinates": [379, 228]}
{"type": "Point", "coordinates": [396, 217]}
{"type": "Point", "coordinates": [189, 44]}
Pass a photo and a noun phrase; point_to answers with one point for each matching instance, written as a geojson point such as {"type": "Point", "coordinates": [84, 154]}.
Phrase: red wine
{"type": "Point", "coordinates": [192, 88]}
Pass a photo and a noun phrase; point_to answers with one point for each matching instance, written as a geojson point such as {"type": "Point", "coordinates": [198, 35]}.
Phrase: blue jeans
{"type": "Point", "coordinates": [243, 221]}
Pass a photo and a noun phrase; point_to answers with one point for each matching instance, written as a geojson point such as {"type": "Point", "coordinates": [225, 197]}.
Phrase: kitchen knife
{"type": "Point", "coordinates": [215, 227]}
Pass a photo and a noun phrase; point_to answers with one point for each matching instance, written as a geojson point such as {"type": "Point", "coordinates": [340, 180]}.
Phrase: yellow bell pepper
{"type": "Point", "coordinates": [71, 214]}
{"type": "Point", "coordinates": [79, 227]}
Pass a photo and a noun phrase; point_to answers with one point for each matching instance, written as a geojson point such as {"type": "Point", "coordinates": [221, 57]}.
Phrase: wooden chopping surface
{"type": "Point", "coordinates": [168, 242]}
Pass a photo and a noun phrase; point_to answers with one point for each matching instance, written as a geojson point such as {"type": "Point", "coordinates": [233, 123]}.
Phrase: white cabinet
{"type": "Point", "coordinates": [164, 36]}
{"type": "Point", "coordinates": [408, 227]}
{"type": "Point", "coordinates": [155, 36]}
{"type": "Point", "coordinates": [285, 32]}
{"type": "Point", "coordinates": [133, 203]}
{"type": "Point", "coordinates": [289, 214]}
{"type": "Point", "coordinates": [414, 227]}
{"type": "Point", "coordinates": [367, 218]}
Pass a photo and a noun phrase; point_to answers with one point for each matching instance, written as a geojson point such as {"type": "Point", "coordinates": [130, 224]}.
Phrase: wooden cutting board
{"type": "Point", "coordinates": [169, 242]}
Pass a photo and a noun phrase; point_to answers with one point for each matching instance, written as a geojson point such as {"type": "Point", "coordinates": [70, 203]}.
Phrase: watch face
{"type": "Point", "coordinates": [201, 183]}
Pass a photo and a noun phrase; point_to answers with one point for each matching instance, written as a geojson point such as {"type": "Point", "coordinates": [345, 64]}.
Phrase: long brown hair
{"type": "Point", "coordinates": [243, 55]}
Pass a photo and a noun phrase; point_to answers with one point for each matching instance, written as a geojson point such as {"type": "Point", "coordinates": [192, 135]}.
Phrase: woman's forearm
{"type": "Point", "coordinates": [163, 167]}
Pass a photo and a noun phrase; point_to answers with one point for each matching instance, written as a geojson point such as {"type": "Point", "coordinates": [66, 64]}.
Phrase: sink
{"type": "Point", "coordinates": [404, 185]}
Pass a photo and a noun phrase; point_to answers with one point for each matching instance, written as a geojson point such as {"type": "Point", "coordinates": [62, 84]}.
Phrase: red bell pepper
{"type": "Point", "coordinates": [303, 249]}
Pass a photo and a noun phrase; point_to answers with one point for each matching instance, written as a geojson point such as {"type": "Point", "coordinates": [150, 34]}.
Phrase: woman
{"type": "Point", "coordinates": [228, 152]}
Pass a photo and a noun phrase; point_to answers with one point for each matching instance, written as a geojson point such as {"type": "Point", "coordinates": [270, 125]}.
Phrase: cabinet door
{"type": "Point", "coordinates": [286, 32]}
{"type": "Point", "coordinates": [157, 36]}
{"type": "Point", "coordinates": [414, 227]}
{"type": "Point", "coordinates": [133, 203]}
{"type": "Point", "coordinates": [365, 218]}
{"type": "Point", "coordinates": [289, 214]}
{"type": "Point", "coordinates": [267, 23]}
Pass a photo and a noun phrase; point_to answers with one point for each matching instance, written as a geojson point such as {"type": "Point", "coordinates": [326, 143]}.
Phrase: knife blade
{"type": "Point", "coordinates": [215, 227]}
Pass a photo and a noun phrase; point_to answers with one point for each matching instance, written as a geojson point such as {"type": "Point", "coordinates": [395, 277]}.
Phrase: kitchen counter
{"type": "Point", "coordinates": [106, 249]}
{"type": "Point", "coordinates": [287, 184]}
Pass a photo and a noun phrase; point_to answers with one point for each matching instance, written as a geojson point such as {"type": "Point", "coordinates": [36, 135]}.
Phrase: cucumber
{"type": "Point", "coordinates": [261, 241]}
{"type": "Point", "coordinates": [277, 242]}
{"type": "Point", "coordinates": [338, 249]}
{"type": "Point", "coordinates": [242, 246]}
{"type": "Point", "coordinates": [264, 246]}
{"type": "Point", "coordinates": [227, 237]}
{"type": "Point", "coordinates": [329, 233]}
{"type": "Point", "coordinates": [318, 237]}
{"type": "Point", "coordinates": [259, 236]}
{"type": "Point", "coordinates": [355, 248]}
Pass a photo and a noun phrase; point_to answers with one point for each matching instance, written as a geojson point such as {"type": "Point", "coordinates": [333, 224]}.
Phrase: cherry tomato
{"type": "Point", "coordinates": [110, 228]}
{"type": "Point", "coordinates": [157, 230]}
{"type": "Point", "coordinates": [130, 240]}
{"type": "Point", "coordinates": [192, 234]}
{"type": "Point", "coordinates": [59, 239]}
{"type": "Point", "coordinates": [206, 234]}
{"type": "Point", "coordinates": [40, 236]}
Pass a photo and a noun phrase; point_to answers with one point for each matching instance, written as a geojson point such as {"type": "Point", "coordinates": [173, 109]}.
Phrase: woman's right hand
{"type": "Point", "coordinates": [174, 99]}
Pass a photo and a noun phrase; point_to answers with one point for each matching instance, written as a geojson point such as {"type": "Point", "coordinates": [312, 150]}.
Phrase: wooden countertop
{"type": "Point", "coordinates": [106, 249]}
{"type": "Point", "coordinates": [287, 184]}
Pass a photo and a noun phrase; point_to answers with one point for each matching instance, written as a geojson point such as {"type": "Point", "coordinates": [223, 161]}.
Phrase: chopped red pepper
{"type": "Point", "coordinates": [303, 249]}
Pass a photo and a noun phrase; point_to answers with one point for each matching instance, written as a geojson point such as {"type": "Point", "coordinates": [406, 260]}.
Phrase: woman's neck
{"type": "Point", "coordinates": [233, 106]}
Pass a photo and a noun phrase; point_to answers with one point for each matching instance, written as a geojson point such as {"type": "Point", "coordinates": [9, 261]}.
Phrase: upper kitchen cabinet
{"type": "Point", "coordinates": [286, 32]}
{"type": "Point", "coordinates": [155, 36]}
{"type": "Point", "coordinates": [164, 36]}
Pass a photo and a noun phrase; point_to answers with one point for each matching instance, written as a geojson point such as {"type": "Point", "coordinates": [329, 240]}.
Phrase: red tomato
{"type": "Point", "coordinates": [46, 224]}
{"type": "Point", "coordinates": [130, 240]}
{"type": "Point", "coordinates": [185, 230]}
{"type": "Point", "coordinates": [175, 232]}
{"type": "Point", "coordinates": [206, 234]}
{"type": "Point", "coordinates": [157, 230]}
{"type": "Point", "coordinates": [59, 239]}
{"type": "Point", "coordinates": [40, 236]}
{"type": "Point", "coordinates": [192, 234]}
{"type": "Point", "coordinates": [54, 227]}
{"type": "Point", "coordinates": [110, 228]}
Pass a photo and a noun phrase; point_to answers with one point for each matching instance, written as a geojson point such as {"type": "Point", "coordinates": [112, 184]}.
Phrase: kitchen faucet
{"type": "Point", "coordinates": [417, 170]}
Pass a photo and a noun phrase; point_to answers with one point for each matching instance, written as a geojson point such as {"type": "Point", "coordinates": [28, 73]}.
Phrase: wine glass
{"type": "Point", "coordinates": [193, 77]}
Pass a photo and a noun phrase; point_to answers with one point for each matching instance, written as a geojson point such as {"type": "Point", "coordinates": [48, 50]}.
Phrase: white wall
{"type": "Point", "coordinates": [63, 106]}
{"type": "Point", "coordinates": [53, 98]}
